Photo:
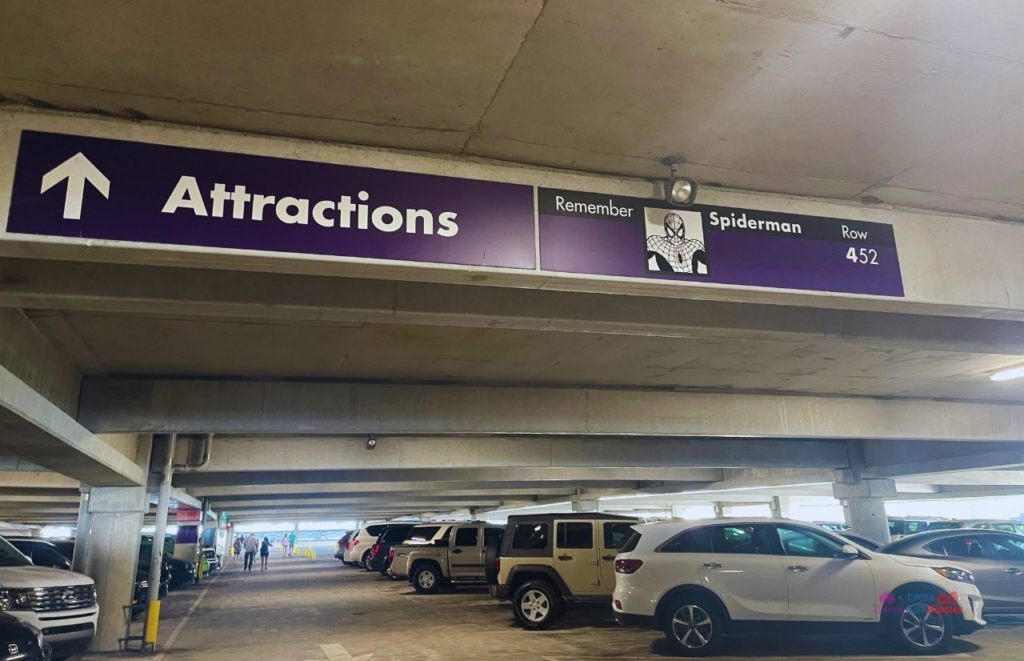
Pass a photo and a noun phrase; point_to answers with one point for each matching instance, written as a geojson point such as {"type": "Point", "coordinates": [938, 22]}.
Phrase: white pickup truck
{"type": "Point", "coordinates": [61, 604]}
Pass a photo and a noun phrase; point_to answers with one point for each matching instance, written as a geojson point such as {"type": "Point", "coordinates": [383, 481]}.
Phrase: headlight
{"type": "Point", "coordinates": [14, 599]}
{"type": "Point", "coordinates": [955, 574]}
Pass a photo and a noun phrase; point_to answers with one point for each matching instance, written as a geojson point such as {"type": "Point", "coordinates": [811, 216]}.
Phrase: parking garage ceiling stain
{"type": "Point", "coordinates": [910, 103]}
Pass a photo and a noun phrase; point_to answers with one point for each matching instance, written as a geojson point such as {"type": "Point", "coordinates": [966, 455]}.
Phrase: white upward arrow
{"type": "Point", "coordinates": [337, 652]}
{"type": "Point", "coordinates": [77, 170]}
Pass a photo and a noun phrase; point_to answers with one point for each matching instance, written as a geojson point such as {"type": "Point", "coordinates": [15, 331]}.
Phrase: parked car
{"type": "Point", "coordinates": [20, 641]}
{"type": "Point", "coordinates": [860, 540]}
{"type": "Point", "coordinates": [456, 559]}
{"type": "Point", "coordinates": [140, 594]}
{"type": "Point", "coordinates": [699, 580]}
{"type": "Point", "coordinates": [360, 545]}
{"type": "Point", "coordinates": [834, 526]}
{"type": "Point", "coordinates": [420, 536]}
{"type": "Point", "coordinates": [1012, 527]}
{"type": "Point", "coordinates": [901, 526]}
{"type": "Point", "coordinates": [380, 553]}
{"type": "Point", "coordinates": [213, 561]}
{"type": "Point", "coordinates": [41, 552]}
{"type": "Point", "coordinates": [342, 544]}
{"type": "Point", "coordinates": [995, 558]}
{"type": "Point", "coordinates": [60, 603]}
{"type": "Point", "coordinates": [548, 562]}
{"type": "Point", "coordinates": [179, 572]}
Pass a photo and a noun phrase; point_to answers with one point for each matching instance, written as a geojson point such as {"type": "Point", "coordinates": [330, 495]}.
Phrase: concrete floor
{"type": "Point", "coordinates": [318, 610]}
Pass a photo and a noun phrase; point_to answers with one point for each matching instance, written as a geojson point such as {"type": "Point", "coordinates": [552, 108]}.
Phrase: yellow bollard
{"type": "Point", "coordinates": [152, 622]}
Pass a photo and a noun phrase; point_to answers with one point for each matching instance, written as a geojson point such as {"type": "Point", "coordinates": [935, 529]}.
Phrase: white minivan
{"type": "Point", "coordinates": [61, 604]}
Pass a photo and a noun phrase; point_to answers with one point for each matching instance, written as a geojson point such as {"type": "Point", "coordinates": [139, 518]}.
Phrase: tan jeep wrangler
{"type": "Point", "coordinates": [547, 562]}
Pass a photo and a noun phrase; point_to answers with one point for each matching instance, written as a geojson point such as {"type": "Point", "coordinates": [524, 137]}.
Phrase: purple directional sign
{"type": "Point", "coordinates": [630, 237]}
{"type": "Point", "coordinates": [76, 186]}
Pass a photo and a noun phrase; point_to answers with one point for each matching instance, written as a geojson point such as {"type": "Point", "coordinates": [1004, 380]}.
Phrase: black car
{"type": "Point", "coordinates": [41, 552]}
{"type": "Point", "coordinates": [21, 642]}
{"type": "Point", "coordinates": [380, 556]}
{"type": "Point", "coordinates": [342, 543]}
{"type": "Point", "coordinates": [140, 596]}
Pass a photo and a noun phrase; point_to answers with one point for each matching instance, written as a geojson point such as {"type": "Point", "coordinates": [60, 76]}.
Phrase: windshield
{"type": "Point", "coordinates": [10, 556]}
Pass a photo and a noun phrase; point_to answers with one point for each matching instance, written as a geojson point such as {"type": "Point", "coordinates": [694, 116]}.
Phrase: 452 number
{"type": "Point", "coordinates": [867, 256]}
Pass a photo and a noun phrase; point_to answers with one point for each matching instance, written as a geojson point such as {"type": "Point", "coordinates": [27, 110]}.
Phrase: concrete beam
{"type": "Point", "coordinates": [222, 494]}
{"type": "Point", "coordinates": [320, 453]}
{"type": "Point", "coordinates": [27, 354]}
{"type": "Point", "coordinates": [236, 407]}
{"type": "Point", "coordinates": [933, 282]}
{"type": "Point", "coordinates": [37, 480]}
{"type": "Point", "coordinates": [553, 476]}
{"type": "Point", "coordinates": [33, 427]}
{"type": "Point", "coordinates": [969, 478]}
{"type": "Point", "coordinates": [220, 294]}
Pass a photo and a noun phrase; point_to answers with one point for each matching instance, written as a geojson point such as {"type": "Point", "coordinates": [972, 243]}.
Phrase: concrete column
{"type": "Point", "coordinates": [107, 548]}
{"type": "Point", "coordinates": [719, 510]}
{"type": "Point", "coordinates": [864, 505]}
{"type": "Point", "coordinates": [581, 504]}
{"type": "Point", "coordinates": [779, 507]}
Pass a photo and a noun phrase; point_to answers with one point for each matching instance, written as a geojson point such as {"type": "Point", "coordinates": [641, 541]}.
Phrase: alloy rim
{"type": "Point", "coordinates": [535, 605]}
{"type": "Point", "coordinates": [922, 625]}
{"type": "Point", "coordinates": [426, 579]}
{"type": "Point", "coordinates": [692, 627]}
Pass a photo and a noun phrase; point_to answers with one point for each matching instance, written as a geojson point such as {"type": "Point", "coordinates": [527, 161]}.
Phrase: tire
{"type": "Point", "coordinates": [364, 560]}
{"type": "Point", "coordinates": [920, 626]}
{"type": "Point", "coordinates": [693, 626]}
{"type": "Point", "coordinates": [427, 579]}
{"type": "Point", "coordinates": [536, 605]}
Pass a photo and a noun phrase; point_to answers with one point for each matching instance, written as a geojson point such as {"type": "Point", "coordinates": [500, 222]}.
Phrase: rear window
{"type": "Point", "coordinates": [375, 530]}
{"type": "Point", "coordinates": [695, 540]}
{"type": "Point", "coordinates": [530, 537]}
{"type": "Point", "coordinates": [396, 534]}
{"type": "Point", "coordinates": [616, 534]}
{"type": "Point", "coordinates": [630, 543]}
{"type": "Point", "coordinates": [423, 533]}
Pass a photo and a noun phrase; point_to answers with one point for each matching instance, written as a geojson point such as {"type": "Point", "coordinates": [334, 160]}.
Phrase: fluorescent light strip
{"type": "Point", "coordinates": [1006, 375]}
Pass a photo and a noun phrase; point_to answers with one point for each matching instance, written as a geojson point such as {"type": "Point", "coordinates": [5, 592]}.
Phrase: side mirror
{"type": "Point", "coordinates": [850, 551]}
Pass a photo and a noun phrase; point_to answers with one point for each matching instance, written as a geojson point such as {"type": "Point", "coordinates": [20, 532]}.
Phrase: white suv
{"type": "Point", "coordinates": [359, 545]}
{"type": "Point", "coordinates": [696, 580]}
{"type": "Point", "coordinates": [61, 604]}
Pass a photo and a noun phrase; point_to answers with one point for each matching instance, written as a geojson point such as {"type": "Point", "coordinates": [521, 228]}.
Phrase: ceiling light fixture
{"type": "Point", "coordinates": [679, 191]}
{"type": "Point", "coordinates": [1007, 375]}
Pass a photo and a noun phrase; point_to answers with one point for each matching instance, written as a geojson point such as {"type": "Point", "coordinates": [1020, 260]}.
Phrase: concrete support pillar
{"type": "Point", "coordinates": [779, 507]}
{"type": "Point", "coordinates": [107, 549]}
{"type": "Point", "coordinates": [864, 505]}
{"type": "Point", "coordinates": [719, 510]}
{"type": "Point", "coordinates": [582, 504]}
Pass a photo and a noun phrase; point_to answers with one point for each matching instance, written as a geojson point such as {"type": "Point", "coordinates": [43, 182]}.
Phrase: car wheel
{"type": "Point", "coordinates": [536, 605]}
{"type": "Point", "coordinates": [364, 561]}
{"type": "Point", "coordinates": [918, 626]}
{"type": "Point", "coordinates": [693, 626]}
{"type": "Point", "coordinates": [426, 579]}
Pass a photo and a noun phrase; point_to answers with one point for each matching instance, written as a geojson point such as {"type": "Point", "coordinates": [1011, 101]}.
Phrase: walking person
{"type": "Point", "coordinates": [236, 547]}
{"type": "Point", "coordinates": [284, 545]}
{"type": "Point", "coordinates": [264, 553]}
{"type": "Point", "coordinates": [251, 545]}
{"type": "Point", "coordinates": [291, 543]}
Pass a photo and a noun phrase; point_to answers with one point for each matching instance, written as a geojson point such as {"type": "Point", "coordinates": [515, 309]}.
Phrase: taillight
{"type": "Point", "coordinates": [376, 548]}
{"type": "Point", "coordinates": [355, 543]}
{"type": "Point", "coordinates": [628, 566]}
{"type": "Point", "coordinates": [392, 554]}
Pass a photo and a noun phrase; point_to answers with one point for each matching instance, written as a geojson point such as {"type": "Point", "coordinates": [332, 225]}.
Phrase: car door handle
{"type": "Point", "coordinates": [607, 557]}
{"type": "Point", "coordinates": [456, 550]}
{"type": "Point", "coordinates": [565, 557]}
{"type": "Point", "coordinates": [797, 569]}
{"type": "Point", "coordinates": [711, 565]}
{"type": "Point", "coordinates": [1013, 570]}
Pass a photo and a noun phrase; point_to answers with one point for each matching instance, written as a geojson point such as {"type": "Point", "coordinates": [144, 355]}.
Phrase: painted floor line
{"type": "Point", "coordinates": [181, 625]}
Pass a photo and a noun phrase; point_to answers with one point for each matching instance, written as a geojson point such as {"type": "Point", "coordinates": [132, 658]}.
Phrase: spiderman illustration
{"type": "Point", "coordinates": [673, 252]}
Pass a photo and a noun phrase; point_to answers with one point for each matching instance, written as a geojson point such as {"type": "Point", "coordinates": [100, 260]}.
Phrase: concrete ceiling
{"type": "Point", "coordinates": [154, 345]}
{"type": "Point", "coordinates": [911, 103]}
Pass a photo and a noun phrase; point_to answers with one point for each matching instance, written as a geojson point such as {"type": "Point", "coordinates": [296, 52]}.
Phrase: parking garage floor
{"type": "Point", "coordinates": [318, 610]}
